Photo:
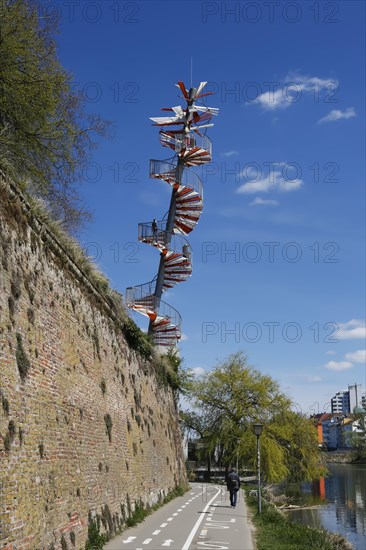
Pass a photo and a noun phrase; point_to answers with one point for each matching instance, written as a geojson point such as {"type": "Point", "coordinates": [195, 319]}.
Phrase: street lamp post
{"type": "Point", "coordinates": [258, 430]}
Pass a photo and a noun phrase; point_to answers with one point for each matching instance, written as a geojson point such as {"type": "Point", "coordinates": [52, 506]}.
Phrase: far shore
{"type": "Point", "coordinates": [342, 456]}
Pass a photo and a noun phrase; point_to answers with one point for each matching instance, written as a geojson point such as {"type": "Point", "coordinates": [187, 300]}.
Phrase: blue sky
{"type": "Point", "coordinates": [285, 190]}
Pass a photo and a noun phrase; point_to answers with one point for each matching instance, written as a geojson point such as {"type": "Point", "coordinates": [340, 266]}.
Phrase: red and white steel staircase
{"type": "Point", "coordinates": [192, 148]}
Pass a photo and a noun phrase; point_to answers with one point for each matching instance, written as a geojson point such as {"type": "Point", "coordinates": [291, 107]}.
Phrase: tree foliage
{"type": "Point", "coordinates": [227, 402]}
{"type": "Point", "coordinates": [45, 135]}
{"type": "Point", "coordinates": [358, 438]}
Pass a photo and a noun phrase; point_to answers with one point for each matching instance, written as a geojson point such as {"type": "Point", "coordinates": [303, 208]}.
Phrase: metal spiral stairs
{"type": "Point", "coordinates": [192, 148]}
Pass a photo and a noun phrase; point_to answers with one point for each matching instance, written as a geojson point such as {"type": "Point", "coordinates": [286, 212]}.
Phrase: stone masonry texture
{"type": "Point", "coordinates": [86, 429]}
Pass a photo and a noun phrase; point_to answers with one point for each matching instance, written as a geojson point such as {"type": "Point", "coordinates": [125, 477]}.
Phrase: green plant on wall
{"type": "Point", "coordinates": [73, 538]}
{"type": "Point", "coordinates": [108, 425]}
{"type": "Point", "coordinates": [4, 403]}
{"type": "Point", "coordinates": [22, 359]}
{"type": "Point", "coordinates": [63, 543]}
{"type": "Point", "coordinates": [10, 435]}
{"type": "Point", "coordinates": [95, 540]}
{"type": "Point", "coordinates": [41, 450]}
{"type": "Point", "coordinates": [138, 340]}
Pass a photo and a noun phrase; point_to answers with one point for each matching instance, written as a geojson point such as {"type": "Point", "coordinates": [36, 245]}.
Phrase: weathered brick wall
{"type": "Point", "coordinates": [64, 366]}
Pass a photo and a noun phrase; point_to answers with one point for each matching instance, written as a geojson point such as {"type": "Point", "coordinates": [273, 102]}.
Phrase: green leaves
{"type": "Point", "coordinates": [227, 402]}
{"type": "Point", "coordinates": [358, 438]}
{"type": "Point", "coordinates": [45, 136]}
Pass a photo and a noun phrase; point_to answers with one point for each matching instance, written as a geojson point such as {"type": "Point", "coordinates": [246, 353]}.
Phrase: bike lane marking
{"type": "Point", "coordinates": [165, 524]}
{"type": "Point", "coordinates": [199, 521]}
{"type": "Point", "coordinates": [207, 539]}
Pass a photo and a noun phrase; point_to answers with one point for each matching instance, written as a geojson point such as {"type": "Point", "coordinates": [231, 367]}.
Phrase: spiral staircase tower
{"type": "Point", "coordinates": [191, 148]}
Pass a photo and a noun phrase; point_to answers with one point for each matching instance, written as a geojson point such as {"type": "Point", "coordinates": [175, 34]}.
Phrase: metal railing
{"type": "Point", "coordinates": [142, 294]}
{"type": "Point", "coordinates": [173, 241]}
{"type": "Point", "coordinates": [167, 171]}
{"type": "Point", "coordinates": [185, 142]}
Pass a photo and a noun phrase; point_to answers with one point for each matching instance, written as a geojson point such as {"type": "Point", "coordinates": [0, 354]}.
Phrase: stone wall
{"type": "Point", "coordinates": [85, 425]}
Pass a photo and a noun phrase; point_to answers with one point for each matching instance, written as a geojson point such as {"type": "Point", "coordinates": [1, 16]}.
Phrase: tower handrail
{"type": "Point", "coordinates": [160, 307]}
{"type": "Point", "coordinates": [167, 171]}
{"type": "Point", "coordinates": [179, 141]}
{"type": "Point", "coordinates": [175, 241]}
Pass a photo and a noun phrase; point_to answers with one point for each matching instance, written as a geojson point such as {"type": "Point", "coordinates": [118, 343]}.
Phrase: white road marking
{"type": "Point", "coordinates": [183, 506]}
{"type": "Point", "coordinates": [167, 542]}
{"type": "Point", "coordinates": [170, 519]}
{"type": "Point", "coordinates": [231, 520]}
{"type": "Point", "coordinates": [163, 525]}
{"type": "Point", "coordinates": [198, 523]}
{"type": "Point", "coordinates": [157, 532]}
{"type": "Point", "coordinates": [175, 514]}
{"type": "Point", "coordinates": [130, 539]}
{"type": "Point", "coordinates": [179, 510]}
{"type": "Point", "coordinates": [213, 545]}
{"type": "Point", "coordinates": [147, 541]}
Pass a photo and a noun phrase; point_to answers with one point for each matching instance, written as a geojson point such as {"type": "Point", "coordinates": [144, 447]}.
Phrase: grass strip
{"type": "Point", "coordinates": [275, 532]}
{"type": "Point", "coordinates": [96, 540]}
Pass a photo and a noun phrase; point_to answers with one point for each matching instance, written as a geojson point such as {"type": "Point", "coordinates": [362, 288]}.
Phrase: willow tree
{"type": "Point", "coordinates": [45, 135]}
{"type": "Point", "coordinates": [233, 396]}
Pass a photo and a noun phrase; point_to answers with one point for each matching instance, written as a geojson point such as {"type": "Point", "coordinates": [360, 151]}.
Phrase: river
{"type": "Point", "coordinates": [342, 499]}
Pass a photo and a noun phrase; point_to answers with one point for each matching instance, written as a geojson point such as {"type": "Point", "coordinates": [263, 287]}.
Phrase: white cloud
{"type": "Point", "coordinates": [314, 379]}
{"type": "Point", "coordinates": [198, 371]}
{"type": "Point", "coordinates": [352, 330]}
{"type": "Point", "coordinates": [259, 200]}
{"type": "Point", "coordinates": [358, 356]}
{"type": "Point", "coordinates": [337, 114]}
{"type": "Point", "coordinates": [278, 179]}
{"type": "Point", "coordinates": [272, 100]}
{"type": "Point", "coordinates": [183, 338]}
{"type": "Point", "coordinates": [338, 365]}
{"type": "Point", "coordinates": [282, 96]}
{"type": "Point", "coordinates": [311, 83]}
{"type": "Point", "coordinates": [230, 153]}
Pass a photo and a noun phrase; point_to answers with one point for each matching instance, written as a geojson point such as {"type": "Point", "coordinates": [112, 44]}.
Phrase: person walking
{"type": "Point", "coordinates": [233, 486]}
{"type": "Point", "coordinates": [154, 227]}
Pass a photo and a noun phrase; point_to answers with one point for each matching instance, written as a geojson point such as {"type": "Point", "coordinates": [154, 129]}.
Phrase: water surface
{"type": "Point", "coordinates": [342, 499]}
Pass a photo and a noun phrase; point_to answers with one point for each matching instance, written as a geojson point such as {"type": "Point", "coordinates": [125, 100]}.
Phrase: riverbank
{"type": "Point", "coordinates": [343, 457]}
{"type": "Point", "coordinates": [275, 532]}
{"type": "Point", "coordinates": [339, 457]}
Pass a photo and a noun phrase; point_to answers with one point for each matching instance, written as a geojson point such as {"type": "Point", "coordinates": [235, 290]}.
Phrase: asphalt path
{"type": "Point", "coordinates": [201, 519]}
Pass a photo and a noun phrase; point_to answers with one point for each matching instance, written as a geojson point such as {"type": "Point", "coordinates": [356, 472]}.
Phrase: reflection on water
{"type": "Point", "coordinates": [342, 495]}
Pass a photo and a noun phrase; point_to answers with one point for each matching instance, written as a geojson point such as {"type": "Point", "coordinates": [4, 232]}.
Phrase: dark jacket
{"type": "Point", "coordinates": [232, 476]}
